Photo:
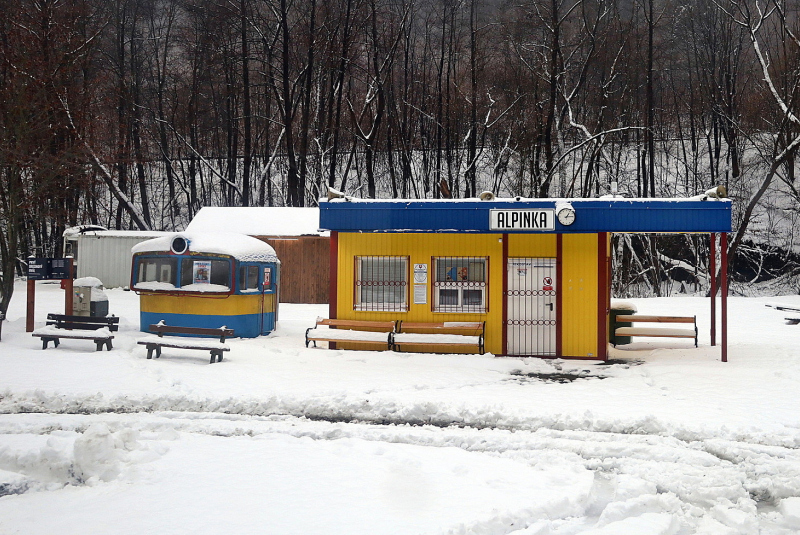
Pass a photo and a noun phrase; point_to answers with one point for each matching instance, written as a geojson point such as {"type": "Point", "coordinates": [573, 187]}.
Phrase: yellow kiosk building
{"type": "Point", "coordinates": [536, 271]}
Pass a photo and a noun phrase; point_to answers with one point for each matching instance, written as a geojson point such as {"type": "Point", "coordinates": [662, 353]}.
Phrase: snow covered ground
{"type": "Point", "coordinates": [281, 439]}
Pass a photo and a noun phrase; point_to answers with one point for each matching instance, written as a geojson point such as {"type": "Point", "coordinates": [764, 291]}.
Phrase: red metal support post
{"type": "Point", "coordinates": [723, 249]}
{"type": "Point", "coordinates": [505, 295]}
{"type": "Point", "coordinates": [712, 275]}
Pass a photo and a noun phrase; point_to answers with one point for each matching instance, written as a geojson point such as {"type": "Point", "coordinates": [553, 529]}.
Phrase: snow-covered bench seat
{"type": "Point", "coordinates": [95, 328]}
{"type": "Point", "coordinates": [372, 333]}
{"type": "Point", "coordinates": [442, 337]}
{"type": "Point", "coordinates": [187, 338]}
{"type": "Point", "coordinates": [658, 332]}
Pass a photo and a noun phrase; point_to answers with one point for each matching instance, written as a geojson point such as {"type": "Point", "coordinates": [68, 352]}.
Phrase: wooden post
{"type": "Point", "coordinates": [723, 249]}
{"type": "Point", "coordinates": [30, 308]}
{"type": "Point", "coordinates": [68, 288]}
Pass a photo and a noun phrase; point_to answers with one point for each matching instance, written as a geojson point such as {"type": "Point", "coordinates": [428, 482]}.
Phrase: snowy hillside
{"type": "Point", "coordinates": [281, 439]}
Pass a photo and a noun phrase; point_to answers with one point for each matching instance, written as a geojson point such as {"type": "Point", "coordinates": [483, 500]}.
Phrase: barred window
{"type": "Point", "coordinates": [381, 283]}
{"type": "Point", "coordinates": [460, 284]}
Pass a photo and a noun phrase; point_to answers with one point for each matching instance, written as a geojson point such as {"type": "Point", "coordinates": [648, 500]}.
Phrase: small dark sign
{"type": "Point", "coordinates": [49, 268]}
{"type": "Point", "coordinates": [60, 268]}
{"type": "Point", "coordinates": [38, 269]}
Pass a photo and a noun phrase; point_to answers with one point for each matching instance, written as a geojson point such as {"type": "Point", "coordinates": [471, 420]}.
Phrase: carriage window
{"type": "Point", "coordinates": [460, 284]}
{"type": "Point", "coordinates": [202, 274]}
{"type": "Point", "coordinates": [248, 278]}
{"type": "Point", "coordinates": [154, 272]}
{"type": "Point", "coordinates": [381, 283]}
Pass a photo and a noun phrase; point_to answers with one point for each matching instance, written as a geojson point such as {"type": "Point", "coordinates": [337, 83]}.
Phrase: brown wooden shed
{"type": "Point", "coordinates": [303, 249]}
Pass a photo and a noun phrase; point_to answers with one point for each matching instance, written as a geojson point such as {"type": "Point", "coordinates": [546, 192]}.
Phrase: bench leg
{"type": "Point", "coordinates": [216, 355]}
{"type": "Point", "coordinates": [149, 352]}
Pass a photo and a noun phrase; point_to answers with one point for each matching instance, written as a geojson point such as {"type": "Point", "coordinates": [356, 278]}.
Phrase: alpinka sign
{"type": "Point", "coordinates": [522, 219]}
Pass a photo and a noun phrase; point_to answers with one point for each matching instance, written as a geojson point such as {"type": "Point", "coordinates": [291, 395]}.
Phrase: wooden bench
{"type": "Point", "coordinates": [155, 342]}
{"type": "Point", "coordinates": [373, 333]}
{"type": "Point", "coordinates": [432, 337]}
{"type": "Point", "coordinates": [95, 328]}
{"type": "Point", "coordinates": [663, 332]}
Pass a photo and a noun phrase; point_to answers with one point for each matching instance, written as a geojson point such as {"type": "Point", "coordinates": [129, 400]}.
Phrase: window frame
{"type": "Point", "coordinates": [381, 306]}
{"type": "Point", "coordinates": [461, 286]}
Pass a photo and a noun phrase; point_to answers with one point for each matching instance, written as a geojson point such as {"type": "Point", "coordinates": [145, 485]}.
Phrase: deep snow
{"type": "Point", "coordinates": [277, 438]}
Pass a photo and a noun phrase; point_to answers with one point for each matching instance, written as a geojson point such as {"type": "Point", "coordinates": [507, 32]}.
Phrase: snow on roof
{"type": "Point", "coordinates": [258, 221]}
{"type": "Point", "coordinates": [239, 246]}
{"type": "Point", "coordinates": [120, 233]}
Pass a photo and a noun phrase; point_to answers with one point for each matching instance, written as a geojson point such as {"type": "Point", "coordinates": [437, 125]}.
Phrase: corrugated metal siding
{"type": "Point", "coordinates": [579, 287]}
{"type": "Point", "coordinates": [108, 258]}
{"type": "Point", "coordinates": [421, 248]}
{"type": "Point", "coordinates": [532, 245]}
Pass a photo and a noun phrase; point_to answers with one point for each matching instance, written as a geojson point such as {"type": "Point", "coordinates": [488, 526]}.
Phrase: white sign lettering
{"type": "Point", "coordinates": [522, 220]}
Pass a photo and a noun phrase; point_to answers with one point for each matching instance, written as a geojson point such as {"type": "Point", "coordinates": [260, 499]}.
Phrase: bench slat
{"type": "Point", "coordinates": [655, 332]}
{"type": "Point", "coordinates": [655, 319]}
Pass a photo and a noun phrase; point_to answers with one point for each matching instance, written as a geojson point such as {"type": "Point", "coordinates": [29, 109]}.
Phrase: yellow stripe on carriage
{"type": "Point", "coordinates": [232, 305]}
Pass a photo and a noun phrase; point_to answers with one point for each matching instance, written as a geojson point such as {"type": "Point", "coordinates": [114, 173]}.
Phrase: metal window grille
{"type": "Point", "coordinates": [460, 284]}
{"type": "Point", "coordinates": [382, 283]}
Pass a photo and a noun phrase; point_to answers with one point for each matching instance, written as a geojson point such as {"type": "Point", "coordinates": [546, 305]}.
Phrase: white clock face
{"type": "Point", "coordinates": [566, 216]}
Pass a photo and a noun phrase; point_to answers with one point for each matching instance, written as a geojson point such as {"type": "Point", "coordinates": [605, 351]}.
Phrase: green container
{"type": "Point", "coordinates": [613, 324]}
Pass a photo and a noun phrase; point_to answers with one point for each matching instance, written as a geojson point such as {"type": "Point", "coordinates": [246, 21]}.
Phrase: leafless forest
{"type": "Point", "coordinates": [133, 114]}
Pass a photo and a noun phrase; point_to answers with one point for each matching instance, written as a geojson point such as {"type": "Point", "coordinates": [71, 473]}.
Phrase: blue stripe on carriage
{"type": "Point", "coordinates": [244, 325]}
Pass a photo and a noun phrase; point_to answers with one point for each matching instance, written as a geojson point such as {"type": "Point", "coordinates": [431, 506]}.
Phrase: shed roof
{"type": "Point", "coordinates": [258, 221]}
{"type": "Point", "coordinates": [473, 215]}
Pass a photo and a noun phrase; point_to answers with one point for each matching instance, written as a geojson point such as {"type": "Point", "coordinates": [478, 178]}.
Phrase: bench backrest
{"type": "Point", "coordinates": [656, 319]}
{"type": "Point", "coordinates": [162, 329]}
{"type": "Point", "coordinates": [86, 323]}
{"type": "Point", "coordinates": [358, 325]}
{"type": "Point", "coordinates": [474, 328]}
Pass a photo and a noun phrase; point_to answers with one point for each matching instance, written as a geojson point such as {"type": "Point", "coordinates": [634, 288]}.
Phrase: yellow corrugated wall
{"type": "Point", "coordinates": [421, 248]}
{"type": "Point", "coordinates": [579, 287]}
{"type": "Point", "coordinates": [532, 246]}
{"type": "Point", "coordinates": [579, 284]}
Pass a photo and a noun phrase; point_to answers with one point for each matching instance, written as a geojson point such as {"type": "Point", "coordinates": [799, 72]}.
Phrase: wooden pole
{"type": "Point", "coordinates": [69, 290]}
{"type": "Point", "coordinates": [712, 269]}
{"type": "Point", "coordinates": [29, 310]}
{"type": "Point", "coordinates": [723, 248]}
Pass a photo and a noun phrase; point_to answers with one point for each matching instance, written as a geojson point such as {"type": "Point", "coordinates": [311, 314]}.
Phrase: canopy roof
{"type": "Point", "coordinates": [699, 214]}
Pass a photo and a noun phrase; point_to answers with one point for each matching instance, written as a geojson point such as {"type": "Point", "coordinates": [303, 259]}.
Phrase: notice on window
{"type": "Point", "coordinates": [201, 272]}
{"type": "Point", "coordinates": [420, 294]}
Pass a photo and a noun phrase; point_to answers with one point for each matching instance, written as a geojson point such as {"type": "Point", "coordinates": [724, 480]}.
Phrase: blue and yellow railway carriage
{"type": "Point", "coordinates": [207, 280]}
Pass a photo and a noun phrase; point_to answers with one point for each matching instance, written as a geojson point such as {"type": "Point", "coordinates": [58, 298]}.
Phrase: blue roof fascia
{"type": "Point", "coordinates": [595, 215]}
